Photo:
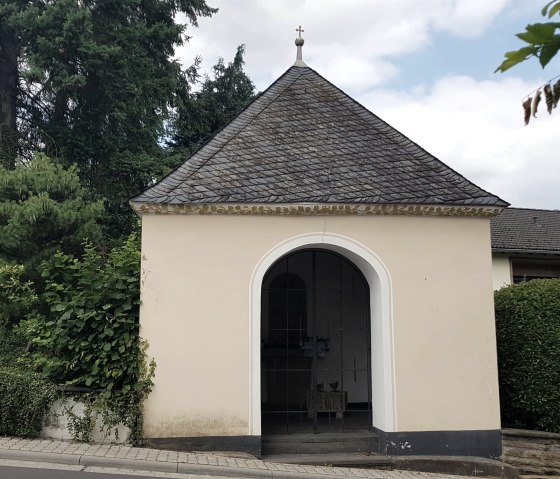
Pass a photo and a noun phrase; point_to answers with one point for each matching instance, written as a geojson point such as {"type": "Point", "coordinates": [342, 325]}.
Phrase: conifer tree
{"type": "Point", "coordinates": [96, 82]}
{"type": "Point", "coordinates": [44, 208]}
{"type": "Point", "coordinates": [9, 79]}
{"type": "Point", "coordinates": [220, 98]}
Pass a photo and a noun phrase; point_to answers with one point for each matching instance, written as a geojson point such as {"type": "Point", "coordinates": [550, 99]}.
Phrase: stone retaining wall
{"type": "Point", "coordinates": [57, 424]}
{"type": "Point", "coordinates": [533, 452]}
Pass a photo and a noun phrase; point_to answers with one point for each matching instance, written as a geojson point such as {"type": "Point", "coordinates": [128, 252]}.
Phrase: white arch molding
{"type": "Point", "coordinates": [382, 350]}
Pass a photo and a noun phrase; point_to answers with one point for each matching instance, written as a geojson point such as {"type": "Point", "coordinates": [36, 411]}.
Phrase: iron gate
{"type": "Point", "coordinates": [315, 345]}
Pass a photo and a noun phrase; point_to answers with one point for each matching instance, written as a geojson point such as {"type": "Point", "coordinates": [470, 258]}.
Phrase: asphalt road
{"type": "Point", "coordinates": [73, 472]}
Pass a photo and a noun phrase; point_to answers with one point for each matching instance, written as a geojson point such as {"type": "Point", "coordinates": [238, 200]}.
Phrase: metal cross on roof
{"type": "Point", "coordinates": [299, 43]}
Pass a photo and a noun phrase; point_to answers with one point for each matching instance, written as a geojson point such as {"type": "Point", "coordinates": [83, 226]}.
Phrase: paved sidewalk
{"type": "Point", "coordinates": [213, 464]}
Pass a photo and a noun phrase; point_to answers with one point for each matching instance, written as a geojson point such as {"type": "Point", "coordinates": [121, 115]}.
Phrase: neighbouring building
{"type": "Point", "coordinates": [310, 269]}
{"type": "Point", "coordinates": [525, 245]}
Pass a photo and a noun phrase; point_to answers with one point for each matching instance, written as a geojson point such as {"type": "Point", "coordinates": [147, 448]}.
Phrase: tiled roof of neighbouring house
{"type": "Point", "coordinates": [533, 231]}
{"type": "Point", "coordinates": [305, 141]}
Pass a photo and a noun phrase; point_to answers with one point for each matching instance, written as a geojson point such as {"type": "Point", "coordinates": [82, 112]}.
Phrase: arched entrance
{"type": "Point", "coordinates": [315, 345]}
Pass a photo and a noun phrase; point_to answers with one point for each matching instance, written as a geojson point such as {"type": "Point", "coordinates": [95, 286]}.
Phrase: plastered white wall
{"type": "Point", "coordinates": [501, 271]}
{"type": "Point", "coordinates": [196, 316]}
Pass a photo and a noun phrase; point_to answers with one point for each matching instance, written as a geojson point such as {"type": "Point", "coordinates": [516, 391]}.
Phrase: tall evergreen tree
{"type": "Point", "coordinates": [95, 83]}
{"type": "Point", "coordinates": [9, 49]}
{"type": "Point", "coordinates": [97, 80]}
{"type": "Point", "coordinates": [200, 114]}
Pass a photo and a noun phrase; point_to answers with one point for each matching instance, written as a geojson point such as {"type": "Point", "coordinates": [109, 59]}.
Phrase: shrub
{"type": "Point", "coordinates": [528, 335]}
{"type": "Point", "coordinates": [25, 398]}
{"type": "Point", "coordinates": [12, 346]}
{"type": "Point", "coordinates": [90, 336]}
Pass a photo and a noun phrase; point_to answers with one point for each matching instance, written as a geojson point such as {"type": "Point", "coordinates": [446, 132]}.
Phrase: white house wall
{"type": "Point", "coordinates": [501, 271]}
{"type": "Point", "coordinates": [196, 310]}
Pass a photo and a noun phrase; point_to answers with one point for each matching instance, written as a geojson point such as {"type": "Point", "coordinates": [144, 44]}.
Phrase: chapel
{"type": "Point", "coordinates": [310, 270]}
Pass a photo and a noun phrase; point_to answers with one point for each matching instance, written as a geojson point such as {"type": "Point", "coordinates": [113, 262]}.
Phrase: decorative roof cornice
{"type": "Point", "coordinates": [310, 209]}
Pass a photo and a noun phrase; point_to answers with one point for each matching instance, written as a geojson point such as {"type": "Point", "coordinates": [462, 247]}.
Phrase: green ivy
{"type": "Point", "coordinates": [528, 335]}
{"type": "Point", "coordinates": [90, 335]}
{"type": "Point", "coordinates": [80, 426]}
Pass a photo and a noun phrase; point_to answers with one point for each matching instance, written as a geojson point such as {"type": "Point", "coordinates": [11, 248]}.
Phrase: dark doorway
{"type": "Point", "coordinates": [315, 345]}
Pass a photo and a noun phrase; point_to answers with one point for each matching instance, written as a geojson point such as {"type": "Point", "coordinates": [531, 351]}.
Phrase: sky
{"type": "Point", "coordinates": [426, 67]}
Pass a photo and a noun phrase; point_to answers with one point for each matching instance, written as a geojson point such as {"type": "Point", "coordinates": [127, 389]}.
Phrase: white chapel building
{"type": "Point", "coordinates": [311, 270]}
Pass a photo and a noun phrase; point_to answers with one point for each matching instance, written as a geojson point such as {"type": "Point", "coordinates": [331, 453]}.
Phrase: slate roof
{"type": "Point", "coordinates": [305, 141]}
{"type": "Point", "coordinates": [526, 230]}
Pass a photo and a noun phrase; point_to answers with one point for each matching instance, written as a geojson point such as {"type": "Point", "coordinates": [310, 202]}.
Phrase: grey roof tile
{"type": "Point", "coordinates": [530, 230]}
{"type": "Point", "coordinates": [304, 140]}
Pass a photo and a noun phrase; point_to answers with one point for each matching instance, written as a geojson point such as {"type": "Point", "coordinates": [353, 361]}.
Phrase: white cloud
{"type": "Point", "coordinates": [477, 128]}
{"type": "Point", "coordinates": [474, 126]}
{"type": "Point", "coordinates": [364, 76]}
{"type": "Point", "coordinates": [362, 36]}
{"type": "Point", "coordinates": [468, 18]}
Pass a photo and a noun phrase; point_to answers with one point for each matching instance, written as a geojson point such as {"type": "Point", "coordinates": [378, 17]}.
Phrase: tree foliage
{"type": "Point", "coordinates": [542, 39]}
{"type": "Point", "coordinates": [89, 337]}
{"type": "Point", "coordinates": [17, 297]}
{"type": "Point", "coordinates": [528, 335]}
{"type": "Point", "coordinates": [97, 80]}
{"type": "Point", "coordinates": [96, 83]}
{"type": "Point", "coordinates": [9, 80]}
{"type": "Point", "coordinates": [25, 396]}
{"type": "Point", "coordinates": [44, 208]}
{"type": "Point", "coordinates": [220, 98]}
{"type": "Point", "coordinates": [93, 85]}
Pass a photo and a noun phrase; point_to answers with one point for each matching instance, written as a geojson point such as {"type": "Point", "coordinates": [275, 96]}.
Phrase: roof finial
{"type": "Point", "coordinates": [299, 43]}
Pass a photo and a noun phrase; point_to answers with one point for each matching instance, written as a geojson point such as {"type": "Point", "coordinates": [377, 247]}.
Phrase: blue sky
{"type": "Point", "coordinates": [424, 66]}
{"type": "Point", "coordinates": [478, 57]}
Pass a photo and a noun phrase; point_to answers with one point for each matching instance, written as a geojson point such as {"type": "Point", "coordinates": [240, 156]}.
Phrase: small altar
{"type": "Point", "coordinates": [322, 401]}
